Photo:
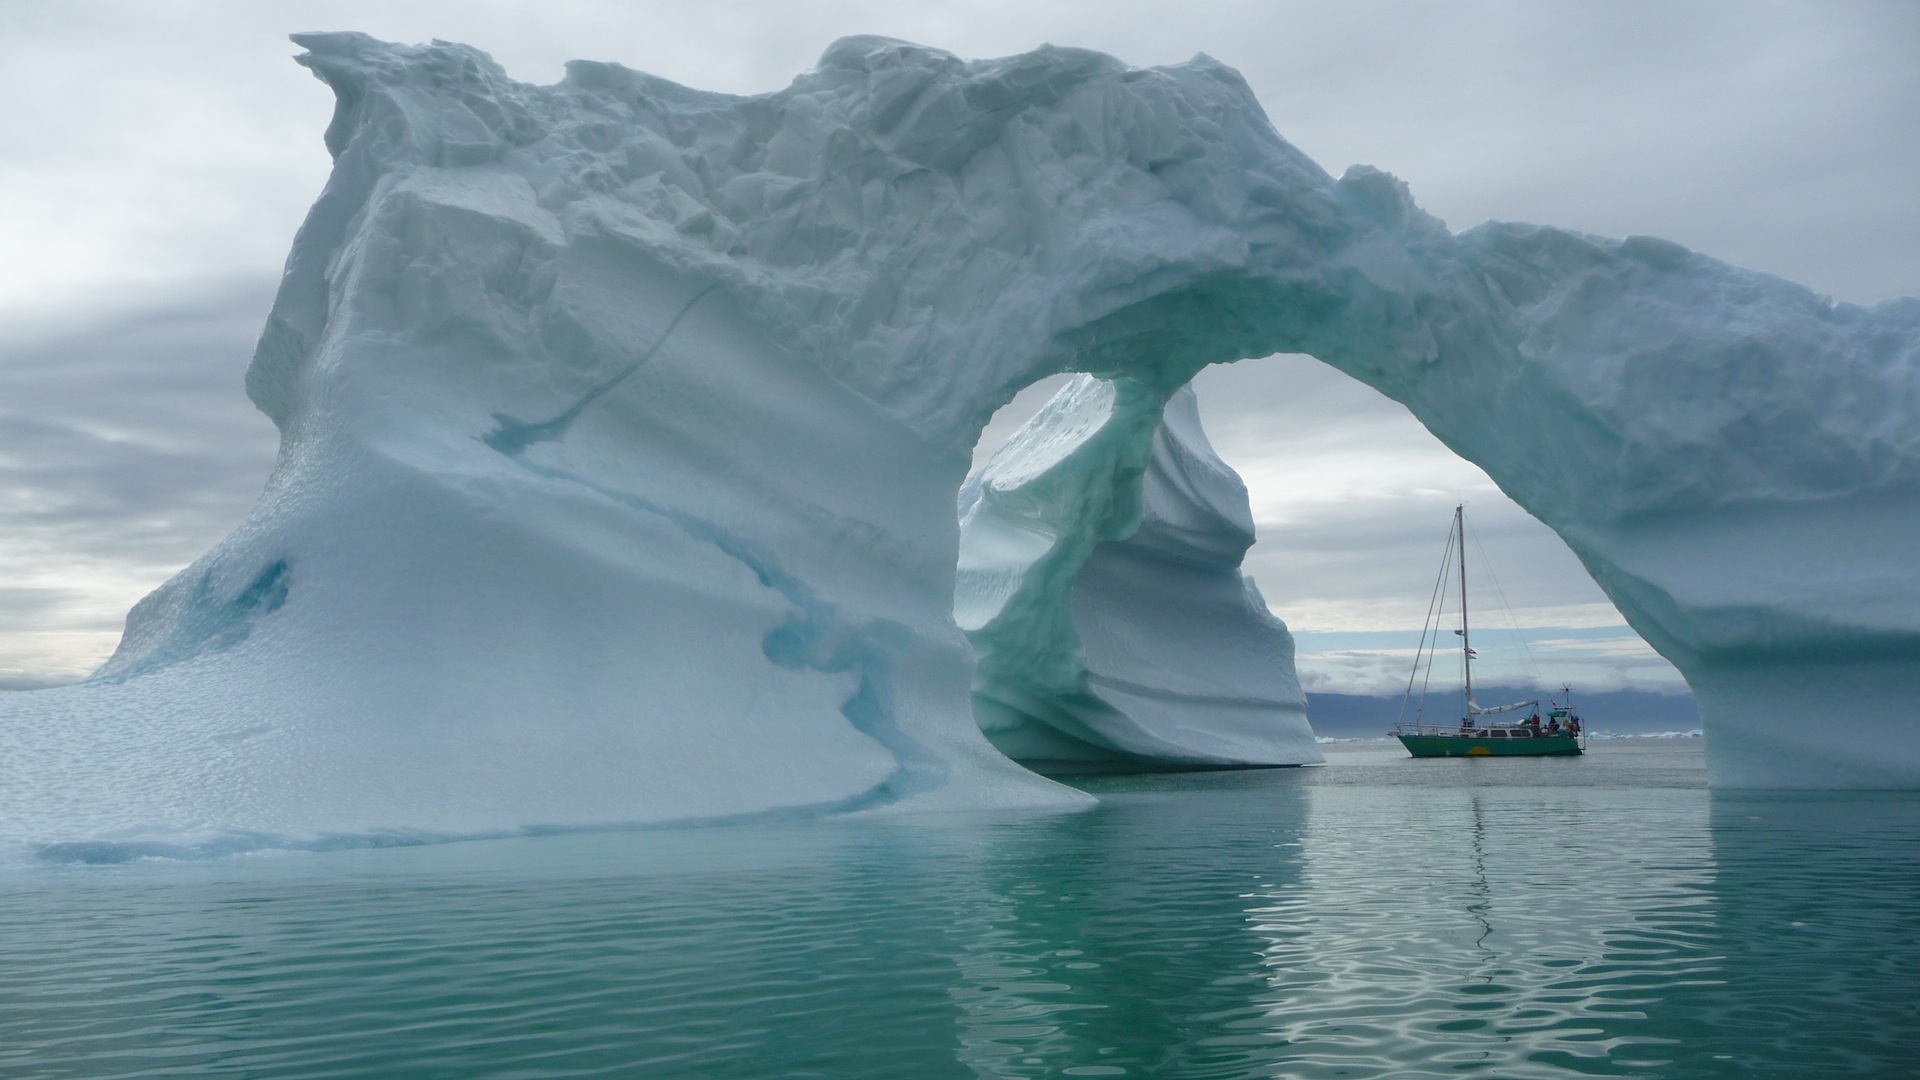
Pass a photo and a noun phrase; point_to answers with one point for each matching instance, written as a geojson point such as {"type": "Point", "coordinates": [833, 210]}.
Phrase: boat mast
{"type": "Point", "coordinates": [1466, 651]}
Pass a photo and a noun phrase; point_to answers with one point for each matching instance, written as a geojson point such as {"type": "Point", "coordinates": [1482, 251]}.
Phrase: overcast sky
{"type": "Point", "coordinates": [157, 157]}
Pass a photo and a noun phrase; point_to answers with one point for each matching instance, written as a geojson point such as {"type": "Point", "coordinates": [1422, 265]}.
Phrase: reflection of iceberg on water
{"type": "Point", "coordinates": [622, 423]}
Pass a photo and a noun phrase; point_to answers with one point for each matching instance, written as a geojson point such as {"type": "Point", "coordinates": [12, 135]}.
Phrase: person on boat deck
{"type": "Point", "coordinates": [1534, 722]}
{"type": "Point", "coordinates": [1553, 726]}
{"type": "Point", "coordinates": [1466, 723]}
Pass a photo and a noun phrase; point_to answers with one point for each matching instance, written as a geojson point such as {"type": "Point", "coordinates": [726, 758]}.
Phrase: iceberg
{"type": "Point", "coordinates": [1100, 584]}
{"type": "Point", "coordinates": [622, 426]}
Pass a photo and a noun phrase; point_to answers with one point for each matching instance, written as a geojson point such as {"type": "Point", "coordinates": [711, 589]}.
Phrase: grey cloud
{"type": "Point", "coordinates": [1279, 419]}
{"type": "Point", "coordinates": [21, 609]}
{"type": "Point", "coordinates": [136, 439]}
{"type": "Point", "coordinates": [126, 450]}
{"type": "Point", "coordinates": [1299, 400]}
{"type": "Point", "coordinates": [1390, 556]}
{"type": "Point", "coordinates": [1776, 136]}
{"type": "Point", "coordinates": [165, 141]}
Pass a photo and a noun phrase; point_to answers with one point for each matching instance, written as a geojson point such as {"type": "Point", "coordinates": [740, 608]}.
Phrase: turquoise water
{"type": "Point", "coordinates": [1379, 917]}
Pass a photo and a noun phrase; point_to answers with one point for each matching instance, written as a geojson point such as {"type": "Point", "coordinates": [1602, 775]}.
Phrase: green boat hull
{"type": "Point", "coordinates": [1482, 746]}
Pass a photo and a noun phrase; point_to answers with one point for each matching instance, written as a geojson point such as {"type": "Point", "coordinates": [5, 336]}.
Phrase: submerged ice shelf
{"type": "Point", "coordinates": [622, 425]}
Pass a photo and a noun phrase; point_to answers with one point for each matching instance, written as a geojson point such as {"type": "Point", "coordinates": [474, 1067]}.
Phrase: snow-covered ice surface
{"type": "Point", "coordinates": [622, 426]}
{"type": "Point", "coordinates": [1100, 584]}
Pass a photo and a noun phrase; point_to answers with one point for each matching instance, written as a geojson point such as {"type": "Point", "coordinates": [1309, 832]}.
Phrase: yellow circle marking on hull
{"type": "Point", "coordinates": [1479, 751]}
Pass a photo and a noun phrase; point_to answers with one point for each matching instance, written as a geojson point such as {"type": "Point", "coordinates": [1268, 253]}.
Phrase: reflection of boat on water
{"type": "Point", "coordinates": [1560, 735]}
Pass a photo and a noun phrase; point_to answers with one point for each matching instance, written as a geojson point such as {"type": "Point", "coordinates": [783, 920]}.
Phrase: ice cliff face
{"type": "Point", "coordinates": [1100, 584]}
{"type": "Point", "coordinates": [622, 426]}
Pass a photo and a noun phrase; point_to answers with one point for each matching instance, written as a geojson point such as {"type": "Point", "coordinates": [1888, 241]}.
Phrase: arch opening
{"type": "Point", "coordinates": [1340, 479]}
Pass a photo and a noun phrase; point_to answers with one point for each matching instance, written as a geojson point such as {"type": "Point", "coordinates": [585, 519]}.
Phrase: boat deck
{"type": "Point", "coordinates": [1440, 740]}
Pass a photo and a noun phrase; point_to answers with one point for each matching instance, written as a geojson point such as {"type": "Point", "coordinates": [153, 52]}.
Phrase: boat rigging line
{"type": "Point", "coordinates": [1431, 625]}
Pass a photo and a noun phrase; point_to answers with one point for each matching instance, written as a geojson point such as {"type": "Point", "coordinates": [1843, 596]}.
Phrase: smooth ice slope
{"type": "Point", "coordinates": [622, 425]}
{"type": "Point", "coordinates": [1100, 584]}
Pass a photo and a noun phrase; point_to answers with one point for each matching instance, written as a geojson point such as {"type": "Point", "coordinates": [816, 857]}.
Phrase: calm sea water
{"type": "Point", "coordinates": [1379, 917]}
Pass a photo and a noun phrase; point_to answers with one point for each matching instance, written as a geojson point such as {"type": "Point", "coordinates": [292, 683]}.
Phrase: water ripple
{"type": "Point", "coordinates": [1373, 919]}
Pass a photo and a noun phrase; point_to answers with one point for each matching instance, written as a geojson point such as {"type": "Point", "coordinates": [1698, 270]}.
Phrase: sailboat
{"type": "Point", "coordinates": [1560, 736]}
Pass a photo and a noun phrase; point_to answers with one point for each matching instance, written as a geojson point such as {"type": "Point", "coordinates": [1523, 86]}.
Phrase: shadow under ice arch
{"type": "Point", "coordinates": [473, 641]}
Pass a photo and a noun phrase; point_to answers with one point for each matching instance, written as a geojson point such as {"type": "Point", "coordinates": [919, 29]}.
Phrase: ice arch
{"type": "Point", "coordinates": [622, 423]}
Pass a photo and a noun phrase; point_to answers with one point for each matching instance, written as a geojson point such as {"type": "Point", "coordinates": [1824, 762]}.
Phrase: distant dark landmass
{"type": "Point", "coordinates": [1623, 712]}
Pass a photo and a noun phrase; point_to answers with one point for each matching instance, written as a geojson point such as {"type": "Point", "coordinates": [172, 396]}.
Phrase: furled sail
{"type": "Point", "coordinates": [1474, 708]}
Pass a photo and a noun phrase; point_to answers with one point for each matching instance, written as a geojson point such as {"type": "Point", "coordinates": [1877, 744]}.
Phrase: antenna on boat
{"type": "Point", "coordinates": [1566, 697]}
